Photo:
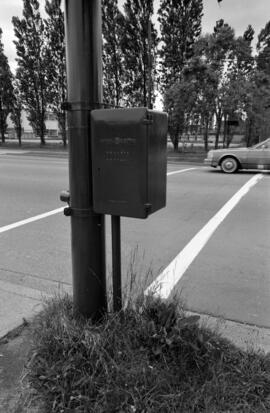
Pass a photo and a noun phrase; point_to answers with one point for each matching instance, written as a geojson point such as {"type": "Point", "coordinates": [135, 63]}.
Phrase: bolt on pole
{"type": "Point", "coordinates": [84, 78]}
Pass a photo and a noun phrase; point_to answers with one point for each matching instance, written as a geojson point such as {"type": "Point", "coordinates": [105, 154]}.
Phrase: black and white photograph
{"type": "Point", "coordinates": [135, 206]}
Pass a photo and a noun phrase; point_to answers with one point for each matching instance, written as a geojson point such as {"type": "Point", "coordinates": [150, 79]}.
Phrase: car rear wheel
{"type": "Point", "coordinates": [229, 165]}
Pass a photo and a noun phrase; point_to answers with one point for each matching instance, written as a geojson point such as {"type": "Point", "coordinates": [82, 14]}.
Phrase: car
{"type": "Point", "coordinates": [231, 160]}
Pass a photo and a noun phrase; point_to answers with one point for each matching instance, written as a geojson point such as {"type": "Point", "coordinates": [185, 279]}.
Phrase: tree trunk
{"type": "Point", "coordinates": [42, 129]}
{"type": "Point", "coordinates": [64, 137]}
{"type": "Point", "coordinates": [62, 126]}
{"type": "Point", "coordinates": [219, 119]}
{"type": "Point", "coordinates": [175, 139]}
{"type": "Point", "coordinates": [2, 127]}
{"type": "Point", "coordinates": [225, 131]}
{"type": "Point", "coordinates": [175, 143]}
{"type": "Point", "coordinates": [206, 134]}
{"type": "Point", "coordinates": [19, 134]}
{"type": "Point", "coordinates": [3, 133]}
{"type": "Point", "coordinates": [229, 137]}
{"type": "Point", "coordinates": [42, 136]}
{"type": "Point", "coordinates": [249, 131]}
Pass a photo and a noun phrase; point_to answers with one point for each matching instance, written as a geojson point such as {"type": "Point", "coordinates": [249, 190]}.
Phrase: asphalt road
{"type": "Point", "coordinates": [226, 274]}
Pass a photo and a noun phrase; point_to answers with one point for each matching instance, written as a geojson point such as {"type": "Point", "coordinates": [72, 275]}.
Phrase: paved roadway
{"type": "Point", "coordinates": [228, 274]}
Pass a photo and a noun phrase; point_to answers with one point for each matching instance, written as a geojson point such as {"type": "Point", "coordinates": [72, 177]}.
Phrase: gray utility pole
{"type": "Point", "coordinates": [149, 37]}
{"type": "Point", "coordinates": [84, 77]}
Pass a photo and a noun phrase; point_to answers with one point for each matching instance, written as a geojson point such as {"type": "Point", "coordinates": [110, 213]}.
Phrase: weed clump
{"type": "Point", "coordinates": [146, 358]}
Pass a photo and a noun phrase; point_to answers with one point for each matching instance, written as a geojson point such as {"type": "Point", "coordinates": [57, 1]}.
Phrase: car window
{"type": "Point", "coordinates": [262, 145]}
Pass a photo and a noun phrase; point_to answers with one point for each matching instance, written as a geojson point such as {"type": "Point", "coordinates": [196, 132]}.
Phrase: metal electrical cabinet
{"type": "Point", "coordinates": [129, 161]}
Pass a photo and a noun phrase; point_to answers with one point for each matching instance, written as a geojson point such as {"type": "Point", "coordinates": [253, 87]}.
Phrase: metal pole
{"type": "Point", "coordinates": [116, 263]}
{"type": "Point", "coordinates": [149, 34]}
{"type": "Point", "coordinates": [84, 77]}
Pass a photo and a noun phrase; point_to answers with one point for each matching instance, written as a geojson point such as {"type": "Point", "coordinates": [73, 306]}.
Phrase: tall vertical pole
{"type": "Point", "coordinates": [84, 78]}
{"type": "Point", "coordinates": [149, 37]}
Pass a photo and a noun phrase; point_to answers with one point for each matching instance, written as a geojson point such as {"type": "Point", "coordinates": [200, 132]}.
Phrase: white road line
{"type": "Point", "coordinates": [56, 211]}
{"type": "Point", "coordinates": [28, 220]}
{"type": "Point", "coordinates": [167, 280]}
{"type": "Point", "coordinates": [180, 171]}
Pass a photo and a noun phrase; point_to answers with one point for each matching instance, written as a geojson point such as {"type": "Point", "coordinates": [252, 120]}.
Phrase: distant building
{"type": "Point", "coordinates": [51, 122]}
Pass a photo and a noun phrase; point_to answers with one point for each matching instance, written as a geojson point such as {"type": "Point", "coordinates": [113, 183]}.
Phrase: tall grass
{"type": "Point", "coordinates": [149, 357]}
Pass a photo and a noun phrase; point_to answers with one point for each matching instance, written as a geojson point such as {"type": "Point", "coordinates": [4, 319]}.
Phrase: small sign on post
{"type": "Point", "coordinates": [129, 161]}
{"type": "Point", "coordinates": [129, 169]}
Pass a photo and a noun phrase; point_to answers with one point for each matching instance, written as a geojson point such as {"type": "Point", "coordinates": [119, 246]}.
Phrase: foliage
{"type": "Point", "coordinates": [258, 108]}
{"type": "Point", "coordinates": [263, 48]}
{"type": "Point", "coordinates": [179, 103]}
{"type": "Point", "coordinates": [32, 73]}
{"type": "Point", "coordinates": [149, 358]}
{"type": "Point", "coordinates": [138, 45]}
{"type": "Point", "coordinates": [205, 81]}
{"type": "Point", "coordinates": [56, 62]}
{"type": "Point", "coordinates": [216, 49]}
{"type": "Point", "coordinates": [237, 81]}
{"type": "Point", "coordinates": [6, 89]}
{"type": "Point", "coordinates": [180, 26]}
{"type": "Point", "coordinates": [219, 76]}
{"type": "Point", "coordinates": [191, 98]}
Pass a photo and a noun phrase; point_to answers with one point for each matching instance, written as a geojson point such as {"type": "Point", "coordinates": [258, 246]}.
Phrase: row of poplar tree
{"type": "Point", "coordinates": [200, 78]}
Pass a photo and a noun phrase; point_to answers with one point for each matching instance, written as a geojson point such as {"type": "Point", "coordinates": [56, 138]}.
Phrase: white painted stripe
{"type": "Point", "coordinates": [32, 219]}
{"type": "Point", "coordinates": [180, 171]}
{"type": "Point", "coordinates": [56, 211]}
{"type": "Point", "coordinates": [166, 281]}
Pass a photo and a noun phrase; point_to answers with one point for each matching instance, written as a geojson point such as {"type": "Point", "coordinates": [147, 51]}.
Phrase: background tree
{"type": "Point", "coordinates": [218, 76]}
{"type": "Point", "coordinates": [230, 59]}
{"type": "Point", "coordinates": [219, 46]}
{"type": "Point", "coordinates": [56, 62]}
{"type": "Point", "coordinates": [258, 98]}
{"type": "Point", "coordinates": [191, 99]}
{"type": "Point", "coordinates": [179, 101]}
{"type": "Point", "coordinates": [112, 30]}
{"type": "Point", "coordinates": [206, 80]}
{"type": "Point", "coordinates": [263, 49]}
{"type": "Point", "coordinates": [257, 108]}
{"type": "Point", "coordinates": [240, 69]}
{"type": "Point", "coordinates": [139, 45]}
{"type": "Point", "coordinates": [32, 65]}
{"type": "Point", "coordinates": [6, 89]}
{"type": "Point", "coordinates": [16, 110]}
{"type": "Point", "coordinates": [180, 26]}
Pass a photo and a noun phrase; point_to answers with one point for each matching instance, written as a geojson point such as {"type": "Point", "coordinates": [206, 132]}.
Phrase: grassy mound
{"type": "Point", "coordinates": [150, 358]}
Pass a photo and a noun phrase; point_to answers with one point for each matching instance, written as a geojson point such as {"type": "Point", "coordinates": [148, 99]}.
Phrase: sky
{"type": "Point", "coordinates": [237, 13]}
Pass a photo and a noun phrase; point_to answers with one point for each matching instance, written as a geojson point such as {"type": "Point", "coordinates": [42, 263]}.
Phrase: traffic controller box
{"type": "Point", "coordinates": [129, 161]}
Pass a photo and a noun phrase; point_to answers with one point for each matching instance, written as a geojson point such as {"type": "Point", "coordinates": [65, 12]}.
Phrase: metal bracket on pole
{"type": "Point", "coordinates": [116, 263]}
{"type": "Point", "coordinates": [81, 106]}
{"type": "Point", "coordinates": [78, 212]}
